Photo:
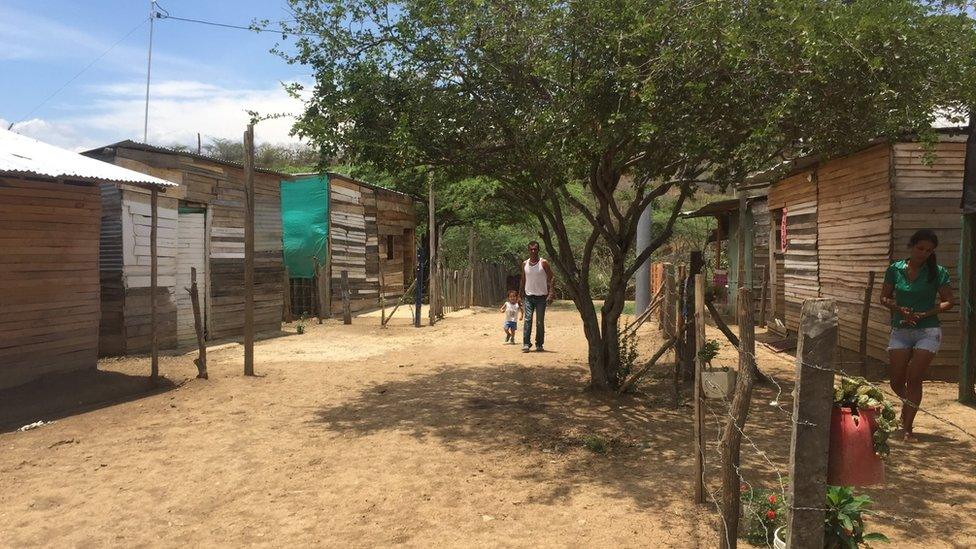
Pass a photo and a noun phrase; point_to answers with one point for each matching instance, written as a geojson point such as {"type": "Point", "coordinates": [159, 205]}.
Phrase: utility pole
{"type": "Point", "coordinates": [145, 120]}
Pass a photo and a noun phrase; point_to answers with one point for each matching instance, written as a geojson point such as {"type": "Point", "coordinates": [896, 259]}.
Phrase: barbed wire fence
{"type": "Point", "coordinates": [818, 329]}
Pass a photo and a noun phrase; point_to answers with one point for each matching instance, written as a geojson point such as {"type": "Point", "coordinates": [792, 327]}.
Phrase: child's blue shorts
{"type": "Point", "coordinates": [511, 325]}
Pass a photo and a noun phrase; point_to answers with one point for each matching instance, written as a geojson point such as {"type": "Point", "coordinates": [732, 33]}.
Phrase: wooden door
{"type": "Point", "coordinates": [191, 252]}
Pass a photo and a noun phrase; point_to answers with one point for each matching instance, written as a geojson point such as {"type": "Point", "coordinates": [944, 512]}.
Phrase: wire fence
{"type": "Point", "coordinates": [720, 417]}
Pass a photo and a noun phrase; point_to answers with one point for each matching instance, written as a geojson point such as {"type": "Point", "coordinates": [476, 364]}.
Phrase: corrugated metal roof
{"type": "Point", "coordinates": [24, 156]}
{"type": "Point", "coordinates": [135, 145]}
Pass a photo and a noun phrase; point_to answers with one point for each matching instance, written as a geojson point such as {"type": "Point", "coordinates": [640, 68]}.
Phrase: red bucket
{"type": "Point", "coordinates": [852, 461]}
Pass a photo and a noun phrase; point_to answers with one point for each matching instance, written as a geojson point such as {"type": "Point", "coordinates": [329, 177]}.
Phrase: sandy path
{"type": "Point", "coordinates": [356, 436]}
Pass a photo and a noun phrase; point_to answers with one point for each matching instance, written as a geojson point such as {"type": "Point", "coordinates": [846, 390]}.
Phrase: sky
{"type": "Point", "coordinates": [204, 78]}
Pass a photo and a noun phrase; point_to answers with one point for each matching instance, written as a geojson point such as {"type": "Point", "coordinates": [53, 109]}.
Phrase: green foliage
{"type": "Point", "coordinates": [709, 351]}
{"type": "Point", "coordinates": [600, 107]}
{"type": "Point", "coordinates": [857, 393]}
{"type": "Point", "coordinates": [627, 342]}
{"type": "Point", "coordinates": [844, 525]}
{"type": "Point", "coordinates": [596, 444]}
{"type": "Point", "coordinates": [763, 512]}
{"type": "Point", "coordinates": [300, 325]}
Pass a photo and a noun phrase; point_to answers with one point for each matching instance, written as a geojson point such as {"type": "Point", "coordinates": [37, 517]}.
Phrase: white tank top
{"type": "Point", "coordinates": [535, 278]}
{"type": "Point", "coordinates": [511, 312]}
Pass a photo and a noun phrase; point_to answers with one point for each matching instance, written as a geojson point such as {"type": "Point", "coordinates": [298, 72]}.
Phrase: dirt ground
{"type": "Point", "coordinates": [440, 436]}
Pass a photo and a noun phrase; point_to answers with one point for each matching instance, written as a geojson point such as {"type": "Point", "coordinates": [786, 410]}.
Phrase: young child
{"type": "Point", "coordinates": [513, 313]}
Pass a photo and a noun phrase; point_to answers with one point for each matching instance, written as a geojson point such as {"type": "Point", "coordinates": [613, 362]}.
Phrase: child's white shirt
{"type": "Point", "coordinates": [511, 311]}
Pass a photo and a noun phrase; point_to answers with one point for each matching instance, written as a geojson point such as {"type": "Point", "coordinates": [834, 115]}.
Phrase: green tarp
{"type": "Point", "coordinates": [304, 223]}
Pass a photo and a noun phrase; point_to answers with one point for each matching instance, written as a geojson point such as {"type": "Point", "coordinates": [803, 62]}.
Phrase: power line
{"type": "Point", "coordinates": [82, 71]}
{"type": "Point", "coordinates": [229, 26]}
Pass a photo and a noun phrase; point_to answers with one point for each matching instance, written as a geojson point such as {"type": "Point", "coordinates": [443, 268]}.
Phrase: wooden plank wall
{"type": "Point", "coordinates": [136, 226]}
{"type": "Point", "coordinates": [760, 251]}
{"type": "Point", "coordinates": [798, 196]}
{"type": "Point", "coordinates": [220, 188]}
{"type": "Point", "coordinates": [111, 338]}
{"type": "Point", "coordinates": [347, 232]}
{"type": "Point", "coordinates": [396, 224]}
{"type": "Point", "coordinates": [854, 238]}
{"type": "Point", "coordinates": [191, 253]}
{"type": "Point", "coordinates": [928, 197]}
{"type": "Point", "coordinates": [49, 299]}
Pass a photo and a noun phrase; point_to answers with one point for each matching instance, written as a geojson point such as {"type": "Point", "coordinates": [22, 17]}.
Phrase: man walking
{"type": "Point", "coordinates": [537, 289]}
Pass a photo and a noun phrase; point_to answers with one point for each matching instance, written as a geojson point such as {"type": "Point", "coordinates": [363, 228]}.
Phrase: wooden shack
{"type": "Point", "coordinates": [201, 225]}
{"type": "Point", "coordinates": [841, 219]}
{"type": "Point", "coordinates": [49, 264]}
{"type": "Point", "coordinates": [370, 229]}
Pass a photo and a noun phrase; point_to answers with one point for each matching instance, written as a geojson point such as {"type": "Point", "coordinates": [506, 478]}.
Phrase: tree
{"type": "Point", "coordinates": [603, 106]}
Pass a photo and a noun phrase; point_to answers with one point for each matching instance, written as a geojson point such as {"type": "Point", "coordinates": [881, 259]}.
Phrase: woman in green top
{"type": "Point", "coordinates": [916, 290]}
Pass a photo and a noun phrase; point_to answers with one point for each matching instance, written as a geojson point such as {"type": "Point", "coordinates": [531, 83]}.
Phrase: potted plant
{"type": "Point", "coordinates": [762, 514]}
{"type": "Point", "coordinates": [716, 382]}
{"type": "Point", "coordinates": [844, 525]}
{"type": "Point", "coordinates": [861, 421]}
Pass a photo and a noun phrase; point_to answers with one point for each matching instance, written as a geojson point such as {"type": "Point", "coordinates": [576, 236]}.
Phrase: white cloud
{"type": "Point", "coordinates": [178, 109]}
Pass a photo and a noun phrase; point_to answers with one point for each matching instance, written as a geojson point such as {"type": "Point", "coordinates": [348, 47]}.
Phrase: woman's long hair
{"type": "Point", "coordinates": [931, 263]}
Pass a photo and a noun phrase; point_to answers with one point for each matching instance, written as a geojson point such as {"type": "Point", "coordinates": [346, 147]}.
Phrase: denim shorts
{"type": "Point", "coordinates": [511, 325]}
{"type": "Point", "coordinates": [927, 339]}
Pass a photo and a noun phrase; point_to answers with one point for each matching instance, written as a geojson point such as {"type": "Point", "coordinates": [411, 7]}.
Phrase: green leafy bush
{"type": "Point", "coordinates": [844, 525]}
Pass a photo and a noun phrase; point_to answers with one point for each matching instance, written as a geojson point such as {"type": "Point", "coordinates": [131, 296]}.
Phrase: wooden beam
{"type": "Point", "coordinates": [382, 293]}
{"type": "Point", "coordinates": [286, 296]}
{"type": "Point", "coordinates": [679, 322]}
{"type": "Point", "coordinates": [865, 313]}
{"type": "Point", "coordinates": [472, 259]}
{"type": "Point", "coordinates": [346, 309]}
{"type": "Point", "coordinates": [967, 291]}
{"type": "Point", "coordinates": [816, 345]}
{"type": "Point", "coordinates": [762, 299]}
{"type": "Point", "coordinates": [771, 267]}
{"type": "Point", "coordinates": [739, 412]}
{"type": "Point", "coordinates": [698, 392]}
{"type": "Point", "coordinates": [249, 250]}
{"type": "Point", "coordinates": [153, 286]}
{"type": "Point", "coordinates": [201, 360]}
{"type": "Point", "coordinates": [432, 260]}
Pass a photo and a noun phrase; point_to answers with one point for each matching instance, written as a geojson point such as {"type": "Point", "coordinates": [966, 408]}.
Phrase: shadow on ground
{"type": "Point", "coordinates": [539, 413]}
{"type": "Point", "coordinates": [57, 396]}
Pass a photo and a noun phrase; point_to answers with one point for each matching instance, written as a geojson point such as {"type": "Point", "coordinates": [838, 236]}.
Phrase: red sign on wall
{"type": "Point", "coordinates": [782, 232]}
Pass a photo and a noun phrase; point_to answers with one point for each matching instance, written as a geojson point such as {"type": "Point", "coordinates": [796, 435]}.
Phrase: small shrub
{"type": "Point", "coordinates": [844, 525]}
{"type": "Point", "coordinates": [596, 444]}
{"type": "Point", "coordinates": [300, 326]}
{"type": "Point", "coordinates": [627, 352]}
{"type": "Point", "coordinates": [709, 351]}
{"type": "Point", "coordinates": [762, 512]}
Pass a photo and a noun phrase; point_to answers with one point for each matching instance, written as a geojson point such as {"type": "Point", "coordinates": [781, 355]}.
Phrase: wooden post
{"type": "Point", "coordinates": [967, 294]}
{"type": "Point", "coordinates": [432, 260]}
{"type": "Point", "coordinates": [762, 299]}
{"type": "Point", "coordinates": [327, 270]}
{"type": "Point", "coordinates": [741, 259]}
{"type": "Point", "coordinates": [773, 277]}
{"type": "Point", "coordinates": [249, 250]}
{"type": "Point", "coordinates": [200, 361]}
{"type": "Point", "coordinates": [670, 300]}
{"type": "Point", "coordinates": [382, 294]}
{"type": "Point", "coordinates": [814, 395]}
{"type": "Point", "coordinates": [419, 291]}
{"type": "Point", "coordinates": [472, 259]}
{"type": "Point", "coordinates": [153, 286]}
{"type": "Point", "coordinates": [739, 410]}
{"type": "Point", "coordinates": [286, 297]}
{"type": "Point", "coordinates": [718, 243]}
{"type": "Point", "coordinates": [698, 393]}
{"type": "Point", "coordinates": [322, 289]}
{"type": "Point", "coordinates": [679, 321]}
{"type": "Point", "coordinates": [865, 314]}
{"type": "Point", "coordinates": [696, 264]}
{"type": "Point", "coordinates": [346, 309]}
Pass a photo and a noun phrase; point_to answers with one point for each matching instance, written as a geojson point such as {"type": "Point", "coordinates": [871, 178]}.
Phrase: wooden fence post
{"type": "Point", "coordinates": [865, 313]}
{"type": "Point", "coordinates": [432, 260]}
{"type": "Point", "coordinates": [322, 289]}
{"type": "Point", "coordinates": [346, 310]}
{"type": "Point", "coordinates": [698, 393]}
{"type": "Point", "coordinates": [739, 410]}
{"type": "Point", "coordinates": [382, 294]}
{"type": "Point", "coordinates": [286, 296]}
{"type": "Point", "coordinates": [762, 297]}
{"type": "Point", "coordinates": [814, 395]}
{"type": "Point", "coordinates": [153, 286]}
{"type": "Point", "coordinates": [249, 250]}
{"type": "Point", "coordinates": [967, 294]}
{"type": "Point", "coordinates": [200, 361]}
{"type": "Point", "coordinates": [679, 348]}
{"type": "Point", "coordinates": [696, 264]}
{"type": "Point", "coordinates": [418, 300]}
{"type": "Point", "coordinates": [667, 306]}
